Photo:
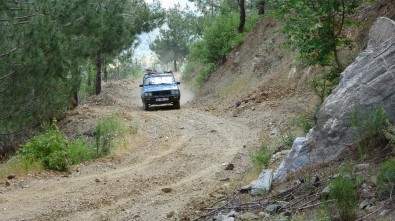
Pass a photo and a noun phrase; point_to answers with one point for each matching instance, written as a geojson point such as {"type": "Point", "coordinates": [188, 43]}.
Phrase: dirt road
{"type": "Point", "coordinates": [176, 158]}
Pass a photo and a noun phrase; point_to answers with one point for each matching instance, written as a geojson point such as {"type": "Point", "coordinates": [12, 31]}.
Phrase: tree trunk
{"type": "Point", "coordinates": [76, 98]}
{"type": "Point", "coordinates": [261, 7]}
{"type": "Point", "coordinates": [175, 65]}
{"type": "Point", "coordinates": [242, 16]}
{"type": "Point", "coordinates": [105, 73]}
{"type": "Point", "coordinates": [98, 73]}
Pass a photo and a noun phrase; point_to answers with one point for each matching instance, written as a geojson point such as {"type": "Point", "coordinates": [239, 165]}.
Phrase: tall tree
{"type": "Point", "coordinates": [172, 43]}
{"type": "Point", "coordinates": [43, 45]}
{"type": "Point", "coordinates": [261, 7]}
{"type": "Point", "coordinates": [315, 27]}
{"type": "Point", "coordinates": [242, 11]}
{"type": "Point", "coordinates": [208, 7]}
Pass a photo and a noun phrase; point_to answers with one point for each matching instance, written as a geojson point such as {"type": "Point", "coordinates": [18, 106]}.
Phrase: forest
{"type": "Point", "coordinates": [55, 53]}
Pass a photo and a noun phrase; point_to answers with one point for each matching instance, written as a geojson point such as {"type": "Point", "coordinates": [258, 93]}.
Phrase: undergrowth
{"type": "Point", "coordinates": [343, 189]}
{"type": "Point", "coordinates": [53, 151]}
{"type": "Point", "coordinates": [369, 128]}
{"type": "Point", "coordinates": [263, 156]}
{"type": "Point", "coordinates": [386, 178]}
{"type": "Point", "coordinates": [106, 130]}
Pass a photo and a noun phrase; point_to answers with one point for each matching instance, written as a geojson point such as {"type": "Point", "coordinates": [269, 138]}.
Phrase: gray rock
{"type": "Point", "coordinates": [233, 214]}
{"type": "Point", "coordinates": [272, 209]}
{"type": "Point", "coordinates": [368, 82]}
{"type": "Point", "coordinates": [264, 183]}
{"type": "Point", "coordinates": [297, 158]}
{"type": "Point", "coordinates": [220, 218]}
{"type": "Point", "coordinates": [362, 166]}
{"type": "Point", "coordinates": [365, 205]}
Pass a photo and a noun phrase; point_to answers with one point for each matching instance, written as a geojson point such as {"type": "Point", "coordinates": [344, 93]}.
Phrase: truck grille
{"type": "Point", "coordinates": [157, 93]}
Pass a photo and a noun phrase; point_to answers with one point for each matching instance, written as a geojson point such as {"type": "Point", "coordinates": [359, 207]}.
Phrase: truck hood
{"type": "Point", "coordinates": [160, 87]}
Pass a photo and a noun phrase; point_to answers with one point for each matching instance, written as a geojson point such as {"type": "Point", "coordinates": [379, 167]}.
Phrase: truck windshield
{"type": "Point", "coordinates": [159, 80]}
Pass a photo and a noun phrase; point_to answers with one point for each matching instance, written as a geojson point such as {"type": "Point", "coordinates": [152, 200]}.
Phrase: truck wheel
{"type": "Point", "coordinates": [145, 106]}
{"type": "Point", "coordinates": [176, 104]}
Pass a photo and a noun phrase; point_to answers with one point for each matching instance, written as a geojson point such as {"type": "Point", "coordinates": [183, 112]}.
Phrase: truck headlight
{"type": "Point", "coordinates": [175, 92]}
{"type": "Point", "coordinates": [147, 94]}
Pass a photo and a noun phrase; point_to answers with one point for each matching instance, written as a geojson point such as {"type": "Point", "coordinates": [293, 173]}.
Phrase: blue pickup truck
{"type": "Point", "coordinates": [160, 88]}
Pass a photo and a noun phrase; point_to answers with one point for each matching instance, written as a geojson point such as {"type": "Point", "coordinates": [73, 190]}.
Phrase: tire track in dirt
{"type": "Point", "coordinates": [183, 150]}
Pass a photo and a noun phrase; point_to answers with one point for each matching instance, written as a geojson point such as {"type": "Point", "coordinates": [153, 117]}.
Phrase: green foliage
{"type": "Point", "coordinates": [287, 140]}
{"type": "Point", "coordinates": [44, 46]}
{"type": "Point", "coordinates": [204, 74]}
{"type": "Point", "coordinates": [324, 84]}
{"type": "Point", "coordinates": [87, 87]}
{"type": "Point", "coordinates": [53, 151]}
{"type": "Point", "coordinates": [306, 123]}
{"type": "Point", "coordinates": [389, 133]}
{"type": "Point", "coordinates": [262, 157]}
{"type": "Point", "coordinates": [219, 38]}
{"type": "Point", "coordinates": [106, 130]}
{"type": "Point", "coordinates": [343, 189]}
{"type": "Point", "coordinates": [386, 178]}
{"type": "Point", "coordinates": [172, 43]}
{"type": "Point", "coordinates": [369, 129]}
{"type": "Point", "coordinates": [315, 27]}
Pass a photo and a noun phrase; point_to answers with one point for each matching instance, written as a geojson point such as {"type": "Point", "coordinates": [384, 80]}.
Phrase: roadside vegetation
{"type": "Point", "coordinates": [52, 52]}
{"type": "Point", "coordinates": [52, 150]}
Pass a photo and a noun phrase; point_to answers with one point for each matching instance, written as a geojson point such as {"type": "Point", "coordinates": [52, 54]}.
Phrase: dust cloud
{"type": "Point", "coordinates": [186, 93]}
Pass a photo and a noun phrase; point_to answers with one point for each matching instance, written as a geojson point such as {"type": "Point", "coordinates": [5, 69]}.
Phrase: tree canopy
{"type": "Point", "coordinates": [172, 43]}
{"type": "Point", "coordinates": [315, 27]}
{"type": "Point", "coordinates": [44, 45]}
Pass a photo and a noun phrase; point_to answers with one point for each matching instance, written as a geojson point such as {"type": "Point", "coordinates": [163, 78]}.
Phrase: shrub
{"type": "Point", "coordinates": [343, 189]}
{"type": "Point", "coordinates": [323, 85]}
{"type": "Point", "coordinates": [220, 37]}
{"type": "Point", "coordinates": [306, 123]}
{"type": "Point", "coordinates": [106, 130]}
{"type": "Point", "coordinates": [262, 157]}
{"type": "Point", "coordinates": [389, 133]}
{"type": "Point", "coordinates": [53, 151]}
{"type": "Point", "coordinates": [288, 140]}
{"type": "Point", "coordinates": [386, 178]}
{"type": "Point", "coordinates": [369, 128]}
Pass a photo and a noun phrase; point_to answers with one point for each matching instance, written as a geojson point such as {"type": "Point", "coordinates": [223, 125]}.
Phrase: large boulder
{"type": "Point", "coordinates": [368, 82]}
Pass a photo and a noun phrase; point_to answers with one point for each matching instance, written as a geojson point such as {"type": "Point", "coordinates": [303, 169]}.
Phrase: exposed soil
{"type": "Point", "coordinates": [177, 157]}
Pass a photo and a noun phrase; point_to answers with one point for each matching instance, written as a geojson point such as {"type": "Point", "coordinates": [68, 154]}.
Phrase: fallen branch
{"type": "Point", "coordinates": [313, 205]}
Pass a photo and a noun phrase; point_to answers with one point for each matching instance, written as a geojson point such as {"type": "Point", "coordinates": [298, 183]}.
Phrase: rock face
{"type": "Point", "coordinates": [368, 82]}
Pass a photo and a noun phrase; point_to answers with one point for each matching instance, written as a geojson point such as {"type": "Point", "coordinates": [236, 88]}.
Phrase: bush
{"type": "Point", "coordinates": [53, 151]}
{"type": "Point", "coordinates": [323, 85]}
{"type": "Point", "coordinates": [106, 130]}
{"type": "Point", "coordinates": [369, 128]}
{"type": "Point", "coordinates": [262, 157]}
{"type": "Point", "coordinates": [389, 133]}
{"type": "Point", "coordinates": [343, 189]}
{"type": "Point", "coordinates": [219, 38]}
{"type": "Point", "coordinates": [386, 178]}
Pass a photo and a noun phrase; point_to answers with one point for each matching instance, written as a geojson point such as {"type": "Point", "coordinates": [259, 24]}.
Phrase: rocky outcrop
{"type": "Point", "coordinates": [264, 183]}
{"type": "Point", "coordinates": [366, 83]}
